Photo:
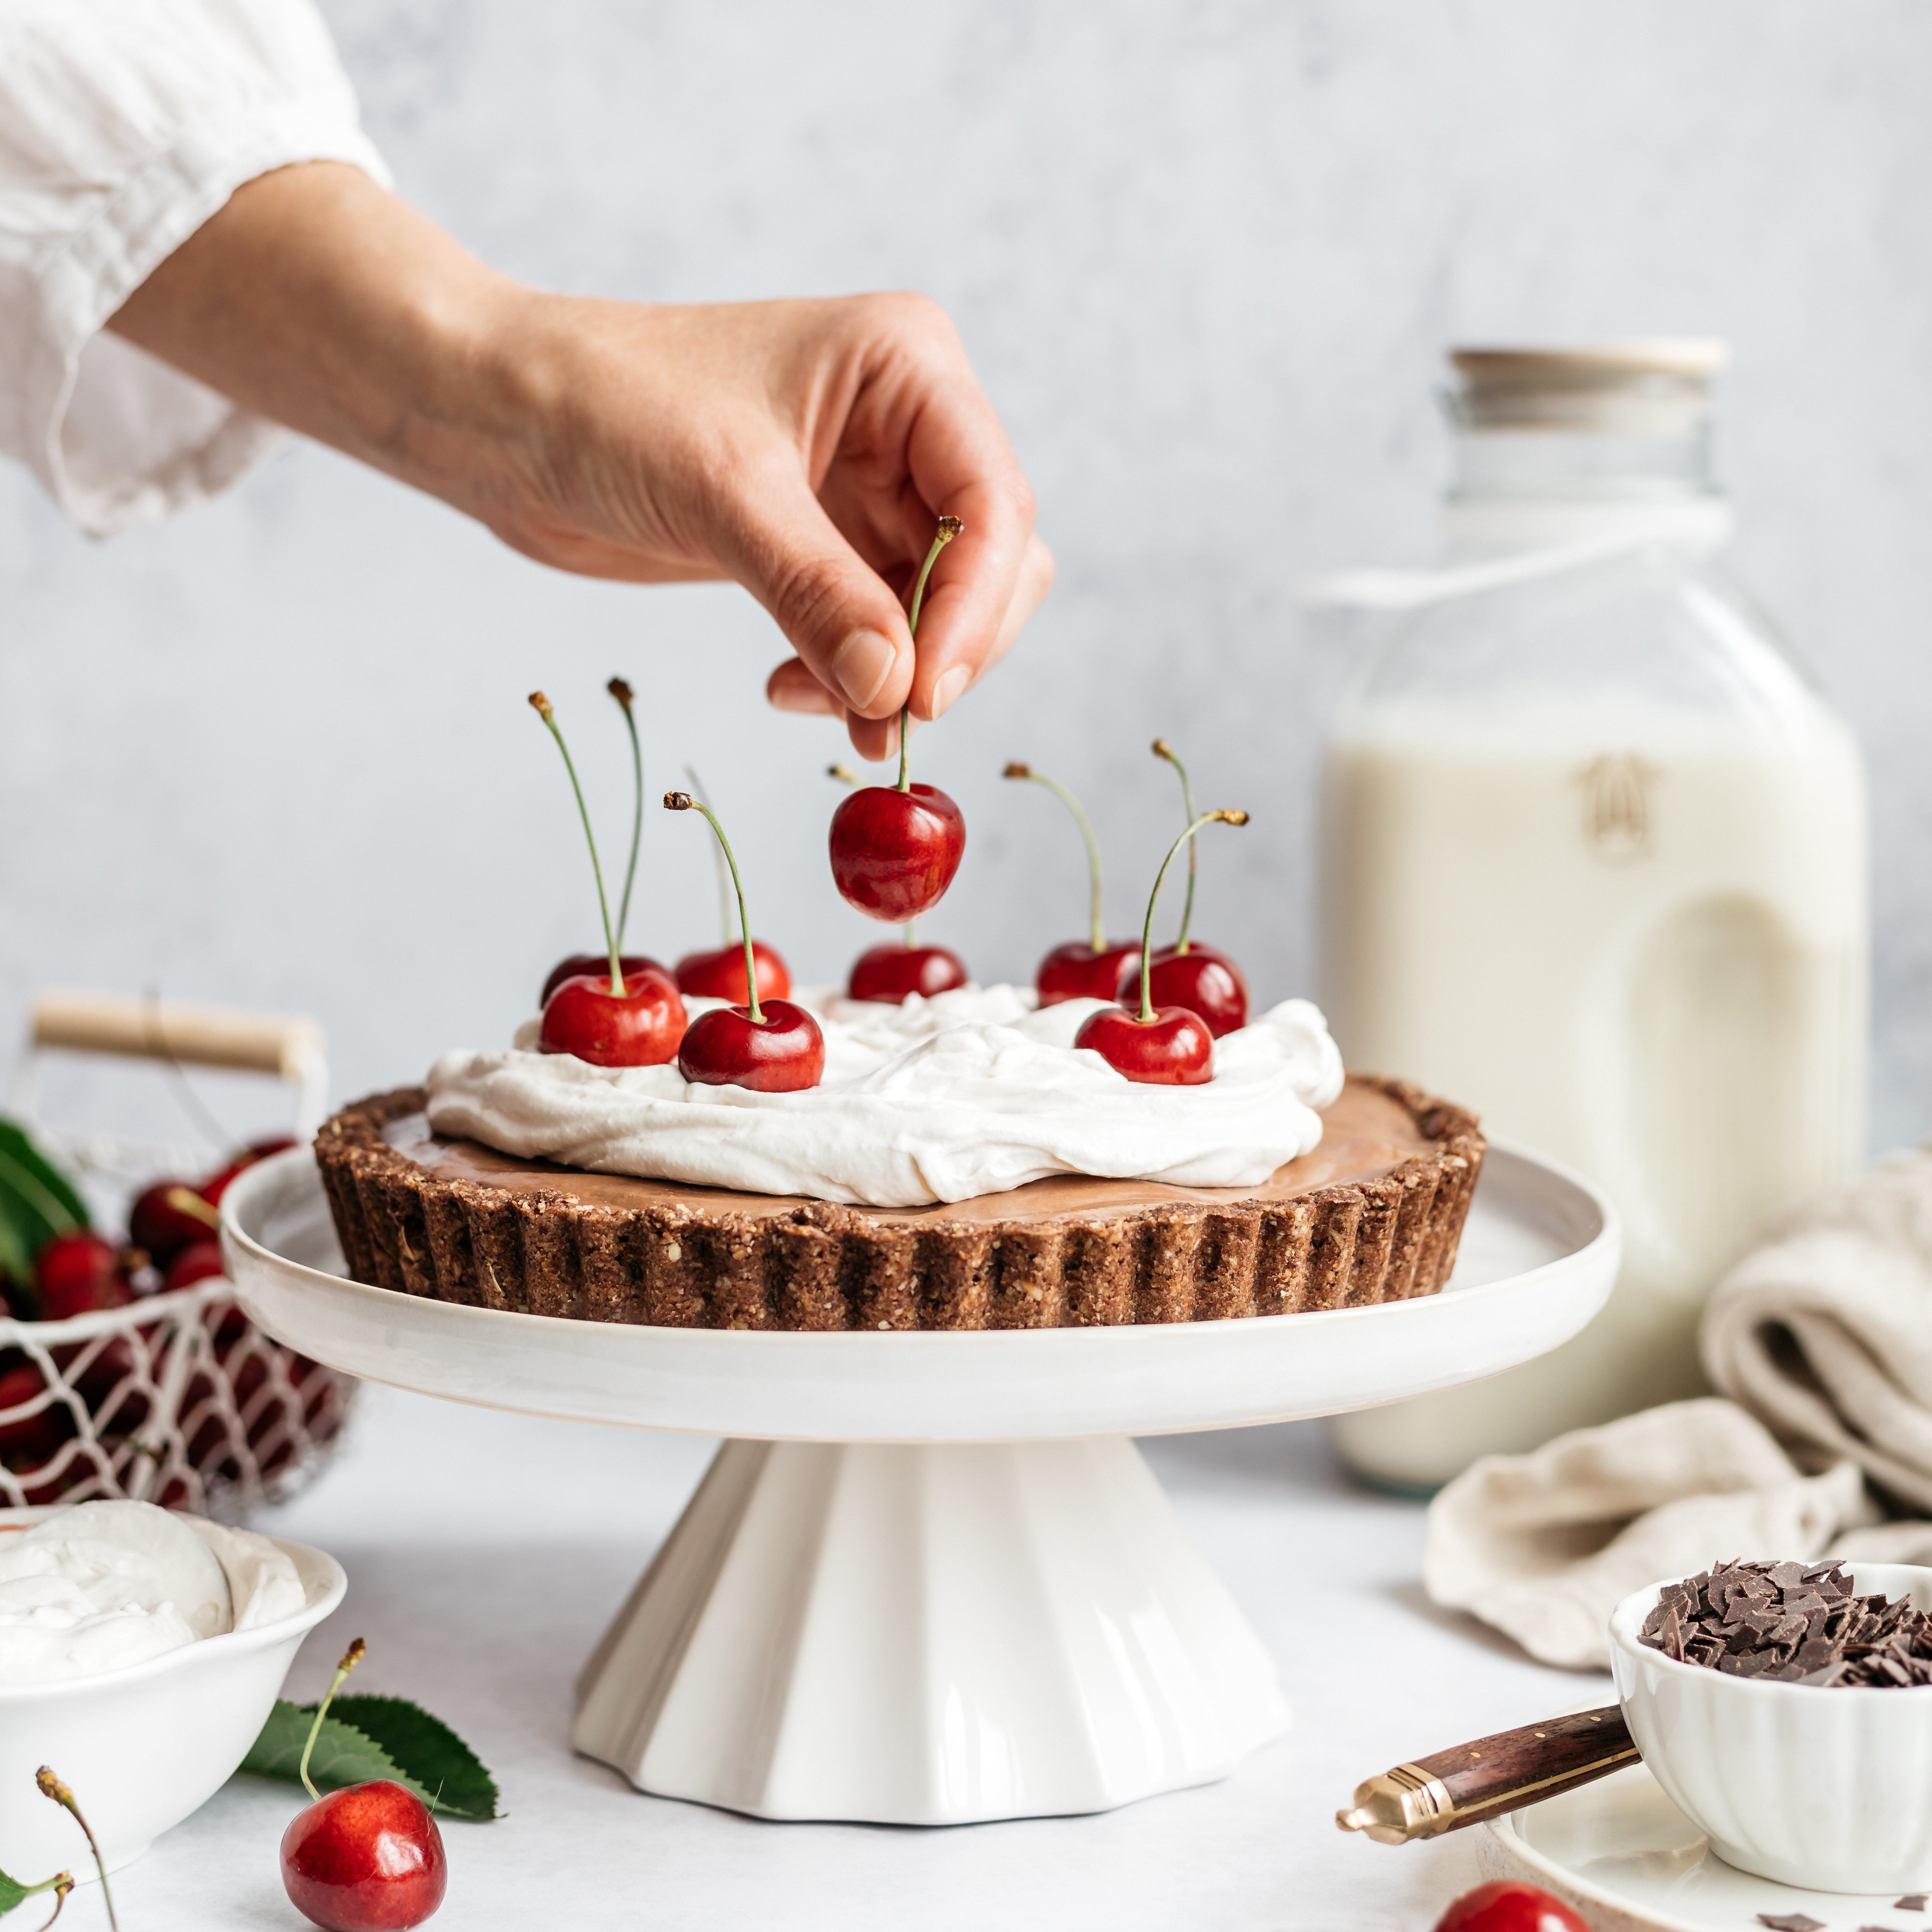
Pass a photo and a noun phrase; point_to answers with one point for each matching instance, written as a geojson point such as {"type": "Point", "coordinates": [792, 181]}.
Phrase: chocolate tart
{"type": "Point", "coordinates": [1373, 1214]}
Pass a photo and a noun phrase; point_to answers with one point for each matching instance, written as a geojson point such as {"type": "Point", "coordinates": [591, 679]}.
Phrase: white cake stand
{"type": "Point", "coordinates": [928, 1579]}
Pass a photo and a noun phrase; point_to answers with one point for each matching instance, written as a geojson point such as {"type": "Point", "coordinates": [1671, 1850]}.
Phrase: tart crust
{"type": "Point", "coordinates": [676, 1260]}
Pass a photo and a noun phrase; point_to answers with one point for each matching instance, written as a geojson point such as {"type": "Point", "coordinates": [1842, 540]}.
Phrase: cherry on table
{"type": "Point", "coordinates": [639, 1022]}
{"type": "Point", "coordinates": [771, 1046]}
{"type": "Point", "coordinates": [581, 965]}
{"type": "Point", "coordinates": [1508, 1905]}
{"type": "Point", "coordinates": [720, 974]}
{"type": "Point", "coordinates": [79, 1273]}
{"type": "Point", "coordinates": [1202, 979]}
{"type": "Point", "coordinates": [891, 974]}
{"type": "Point", "coordinates": [367, 1858]}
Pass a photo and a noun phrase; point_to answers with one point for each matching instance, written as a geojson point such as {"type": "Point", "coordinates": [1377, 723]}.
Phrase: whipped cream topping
{"type": "Point", "coordinates": [972, 1092]}
{"type": "Point", "coordinates": [104, 1584]}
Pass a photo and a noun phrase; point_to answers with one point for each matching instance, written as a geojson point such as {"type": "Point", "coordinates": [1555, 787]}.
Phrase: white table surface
{"type": "Point", "coordinates": [486, 1551]}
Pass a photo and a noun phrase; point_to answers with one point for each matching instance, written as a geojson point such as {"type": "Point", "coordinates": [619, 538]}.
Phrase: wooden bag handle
{"type": "Point", "coordinates": [288, 1044]}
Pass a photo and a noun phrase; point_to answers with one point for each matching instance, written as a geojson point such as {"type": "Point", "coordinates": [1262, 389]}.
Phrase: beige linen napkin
{"type": "Point", "coordinates": [1823, 1335]}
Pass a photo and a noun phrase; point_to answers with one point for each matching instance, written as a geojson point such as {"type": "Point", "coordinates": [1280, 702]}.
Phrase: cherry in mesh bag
{"type": "Point", "coordinates": [174, 1397]}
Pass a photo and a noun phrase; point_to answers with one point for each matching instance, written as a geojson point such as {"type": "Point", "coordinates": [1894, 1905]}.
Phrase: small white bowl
{"type": "Point", "coordinates": [1829, 1789]}
{"type": "Point", "coordinates": [141, 1748]}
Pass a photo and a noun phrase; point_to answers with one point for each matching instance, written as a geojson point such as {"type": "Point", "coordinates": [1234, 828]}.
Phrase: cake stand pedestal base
{"type": "Point", "coordinates": [927, 1634]}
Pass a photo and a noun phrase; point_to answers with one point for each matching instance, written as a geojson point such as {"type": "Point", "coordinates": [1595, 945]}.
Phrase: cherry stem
{"type": "Point", "coordinates": [541, 705]}
{"type": "Point", "coordinates": [1145, 1015]}
{"type": "Point", "coordinates": [351, 1658]}
{"type": "Point", "coordinates": [717, 866]}
{"type": "Point", "coordinates": [950, 527]}
{"type": "Point", "coordinates": [621, 692]}
{"type": "Point", "coordinates": [51, 1787]}
{"type": "Point", "coordinates": [1163, 749]}
{"type": "Point", "coordinates": [1097, 941]}
{"type": "Point", "coordinates": [911, 933]}
{"type": "Point", "coordinates": [837, 771]}
{"type": "Point", "coordinates": [60, 1884]}
{"type": "Point", "coordinates": [683, 801]}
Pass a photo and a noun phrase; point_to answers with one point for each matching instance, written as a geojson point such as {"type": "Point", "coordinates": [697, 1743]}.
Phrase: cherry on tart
{"type": "Point", "coordinates": [615, 1018]}
{"type": "Point", "coordinates": [1168, 1046]}
{"type": "Point", "coordinates": [580, 964]}
{"type": "Point", "coordinates": [771, 1046]}
{"type": "Point", "coordinates": [1188, 974]}
{"type": "Point", "coordinates": [1090, 970]}
{"type": "Point", "coordinates": [720, 974]}
{"type": "Point", "coordinates": [895, 848]}
{"type": "Point", "coordinates": [891, 974]}
{"type": "Point", "coordinates": [368, 1858]}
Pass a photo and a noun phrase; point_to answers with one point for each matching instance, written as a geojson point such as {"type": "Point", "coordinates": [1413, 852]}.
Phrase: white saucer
{"type": "Point", "coordinates": [1626, 1858]}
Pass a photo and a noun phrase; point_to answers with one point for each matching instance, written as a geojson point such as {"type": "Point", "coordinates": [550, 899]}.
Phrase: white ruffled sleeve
{"type": "Point", "coordinates": [124, 125]}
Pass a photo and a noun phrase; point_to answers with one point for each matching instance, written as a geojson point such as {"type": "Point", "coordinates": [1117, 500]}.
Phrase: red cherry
{"type": "Point", "coordinates": [639, 1027]}
{"type": "Point", "coordinates": [781, 1053]}
{"type": "Point", "coordinates": [1203, 981]}
{"type": "Point", "coordinates": [1508, 1905]}
{"type": "Point", "coordinates": [197, 1262]}
{"type": "Point", "coordinates": [77, 1274]}
{"type": "Point", "coordinates": [721, 975]}
{"type": "Point", "coordinates": [1174, 1048]}
{"type": "Point", "coordinates": [894, 853]}
{"type": "Point", "coordinates": [30, 1439]}
{"type": "Point", "coordinates": [367, 1858]}
{"type": "Point", "coordinates": [211, 1190]}
{"type": "Point", "coordinates": [889, 974]}
{"type": "Point", "coordinates": [580, 965]}
{"type": "Point", "coordinates": [1075, 971]}
{"type": "Point", "coordinates": [164, 1219]}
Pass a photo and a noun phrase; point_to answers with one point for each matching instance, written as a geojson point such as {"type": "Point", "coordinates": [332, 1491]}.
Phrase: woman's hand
{"type": "Point", "coordinates": [803, 448]}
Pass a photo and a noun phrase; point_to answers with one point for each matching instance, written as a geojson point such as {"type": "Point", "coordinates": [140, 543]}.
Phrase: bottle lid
{"type": "Point", "coordinates": [1655, 386]}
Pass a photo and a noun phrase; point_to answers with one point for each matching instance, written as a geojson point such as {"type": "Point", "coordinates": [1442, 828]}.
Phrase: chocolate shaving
{"type": "Point", "coordinates": [1793, 1624]}
{"type": "Point", "coordinates": [1790, 1921]}
{"type": "Point", "coordinates": [1912, 1901]}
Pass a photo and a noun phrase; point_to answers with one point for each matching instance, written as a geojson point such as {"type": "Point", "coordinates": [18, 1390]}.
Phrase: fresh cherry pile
{"type": "Point", "coordinates": [172, 1244]}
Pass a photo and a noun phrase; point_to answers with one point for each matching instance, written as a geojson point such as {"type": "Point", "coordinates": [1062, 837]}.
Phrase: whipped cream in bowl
{"type": "Point", "coordinates": [972, 1092]}
{"type": "Point", "coordinates": [141, 1651]}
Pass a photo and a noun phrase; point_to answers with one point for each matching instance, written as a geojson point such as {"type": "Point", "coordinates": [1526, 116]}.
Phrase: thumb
{"type": "Point", "coordinates": [839, 615]}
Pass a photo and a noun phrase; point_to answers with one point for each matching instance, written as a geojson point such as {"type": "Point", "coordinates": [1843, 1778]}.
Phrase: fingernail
{"type": "Point", "coordinates": [861, 665]}
{"type": "Point", "coordinates": [814, 700]}
{"type": "Point", "coordinates": [946, 692]}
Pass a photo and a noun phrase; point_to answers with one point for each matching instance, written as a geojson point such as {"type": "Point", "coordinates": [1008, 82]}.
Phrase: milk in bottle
{"type": "Point", "coordinates": [1595, 865]}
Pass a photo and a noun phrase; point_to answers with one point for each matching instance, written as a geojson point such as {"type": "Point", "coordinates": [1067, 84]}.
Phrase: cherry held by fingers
{"type": "Point", "coordinates": [893, 974]}
{"type": "Point", "coordinates": [1201, 979]}
{"type": "Point", "coordinates": [1508, 1905]}
{"type": "Point", "coordinates": [641, 1026]}
{"type": "Point", "coordinates": [720, 975]}
{"type": "Point", "coordinates": [895, 848]}
{"type": "Point", "coordinates": [774, 1047]}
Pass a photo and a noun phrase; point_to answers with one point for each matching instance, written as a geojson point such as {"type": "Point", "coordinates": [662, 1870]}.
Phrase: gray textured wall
{"type": "Point", "coordinates": [1206, 257]}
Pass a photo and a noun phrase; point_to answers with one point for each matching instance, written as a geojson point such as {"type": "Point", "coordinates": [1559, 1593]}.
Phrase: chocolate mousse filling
{"type": "Point", "coordinates": [1373, 1214]}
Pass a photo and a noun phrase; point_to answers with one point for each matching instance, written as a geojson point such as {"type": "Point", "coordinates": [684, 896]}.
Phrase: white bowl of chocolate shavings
{"type": "Point", "coordinates": [1786, 1708]}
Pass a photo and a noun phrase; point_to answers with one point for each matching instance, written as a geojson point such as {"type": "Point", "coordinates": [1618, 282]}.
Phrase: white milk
{"type": "Point", "coordinates": [1632, 938]}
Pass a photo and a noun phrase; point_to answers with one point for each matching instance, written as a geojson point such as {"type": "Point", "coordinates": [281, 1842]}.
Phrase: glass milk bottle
{"type": "Point", "coordinates": [1594, 860]}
